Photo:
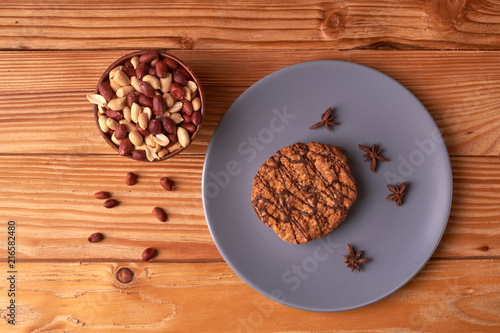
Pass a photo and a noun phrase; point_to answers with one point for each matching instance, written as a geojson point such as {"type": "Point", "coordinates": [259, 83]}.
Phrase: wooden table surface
{"type": "Point", "coordinates": [52, 160]}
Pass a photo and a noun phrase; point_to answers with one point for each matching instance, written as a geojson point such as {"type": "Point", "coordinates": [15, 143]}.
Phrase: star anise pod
{"type": "Point", "coordinates": [398, 193]}
{"type": "Point", "coordinates": [353, 259]}
{"type": "Point", "coordinates": [326, 120]}
{"type": "Point", "coordinates": [372, 155]}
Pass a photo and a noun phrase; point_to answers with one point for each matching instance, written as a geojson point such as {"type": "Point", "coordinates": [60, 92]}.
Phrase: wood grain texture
{"type": "Point", "coordinates": [52, 160]}
{"type": "Point", "coordinates": [55, 210]}
{"type": "Point", "coordinates": [461, 90]}
{"type": "Point", "coordinates": [446, 296]}
{"type": "Point", "coordinates": [348, 24]}
{"type": "Point", "coordinates": [476, 189]}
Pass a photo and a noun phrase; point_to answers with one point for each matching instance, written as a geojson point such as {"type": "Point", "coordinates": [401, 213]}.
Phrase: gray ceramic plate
{"type": "Point", "coordinates": [371, 108]}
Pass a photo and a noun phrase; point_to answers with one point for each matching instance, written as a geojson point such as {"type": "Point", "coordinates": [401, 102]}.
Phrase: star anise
{"type": "Point", "coordinates": [353, 259]}
{"type": "Point", "coordinates": [372, 155]}
{"type": "Point", "coordinates": [398, 193]}
{"type": "Point", "coordinates": [326, 120]}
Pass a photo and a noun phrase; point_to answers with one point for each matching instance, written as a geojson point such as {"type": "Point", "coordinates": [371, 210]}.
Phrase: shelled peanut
{"type": "Point", "coordinates": [148, 107]}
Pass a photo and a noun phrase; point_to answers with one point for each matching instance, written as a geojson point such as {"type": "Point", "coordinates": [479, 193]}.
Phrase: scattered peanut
{"type": "Point", "coordinates": [176, 107]}
{"type": "Point", "coordinates": [136, 138]}
{"type": "Point", "coordinates": [127, 113]}
{"type": "Point", "coordinates": [97, 99]}
{"type": "Point", "coordinates": [161, 139]}
{"type": "Point", "coordinates": [124, 91]}
{"type": "Point", "coordinates": [165, 83]}
{"type": "Point", "coordinates": [196, 103]}
{"type": "Point", "coordinates": [135, 61]}
{"type": "Point", "coordinates": [187, 93]}
{"type": "Point", "coordinates": [134, 82]}
{"type": "Point", "coordinates": [114, 71]}
{"type": "Point", "coordinates": [97, 237]}
{"type": "Point", "coordinates": [153, 81]}
{"type": "Point", "coordinates": [160, 214]}
{"type": "Point", "coordinates": [100, 109]}
{"type": "Point", "coordinates": [115, 140]}
{"type": "Point", "coordinates": [183, 136]}
{"type": "Point", "coordinates": [176, 118]}
{"type": "Point", "coordinates": [149, 112]}
{"type": "Point", "coordinates": [163, 152]}
{"type": "Point", "coordinates": [192, 86]}
{"type": "Point", "coordinates": [143, 120]}
{"type": "Point", "coordinates": [112, 124]}
{"type": "Point", "coordinates": [117, 104]}
{"type": "Point", "coordinates": [149, 254]}
{"type": "Point", "coordinates": [102, 195]}
{"type": "Point", "coordinates": [114, 86]}
{"type": "Point", "coordinates": [168, 99]}
{"type": "Point", "coordinates": [128, 125]}
{"type": "Point", "coordinates": [131, 179]}
{"type": "Point", "coordinates": [102, 123]}
{"type": "Point", "coordinates": [110, 203]}
{"type": "Point", "coordinates": [121, 78]}
{"type": "Point", "coordinates": [174, 147]}
{"type": "Point", "coordinates": [149, 141]}
{"type": "Point", "coordinates": [166, 183]}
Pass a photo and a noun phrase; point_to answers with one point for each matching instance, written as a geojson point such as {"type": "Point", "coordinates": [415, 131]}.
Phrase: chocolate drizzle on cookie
{"type": "Point", "coordinates": [304, 191]}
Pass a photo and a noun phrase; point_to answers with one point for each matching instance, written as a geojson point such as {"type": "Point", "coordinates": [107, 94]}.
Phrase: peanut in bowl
{"type": "Point", "coordinates": [148, 106]}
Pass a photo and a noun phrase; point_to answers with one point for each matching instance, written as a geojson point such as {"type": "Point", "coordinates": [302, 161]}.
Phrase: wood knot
{"type": "Point", "coordinates": [485, 248]}
{"type": "Point", "coordinates": [448, 11]}
{"type": "Point", "coordinates": [469, 291]}
{"type": "Point", "coordinates": [388, 45]}
{"type": "Point", "coordinates": [187, 43]}
{"type": "Point", "coordinates": [333, 22]}
{"type": "Point", "coordinates": [124, 275]}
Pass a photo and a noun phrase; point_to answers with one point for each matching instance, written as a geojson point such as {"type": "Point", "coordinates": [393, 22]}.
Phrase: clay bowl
{"type": "Point", "coordinates": [181, 74]}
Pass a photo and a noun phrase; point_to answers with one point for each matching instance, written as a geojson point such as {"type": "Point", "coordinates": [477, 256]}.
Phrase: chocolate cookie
{"type": "Point", "coordinates": [304, 191]}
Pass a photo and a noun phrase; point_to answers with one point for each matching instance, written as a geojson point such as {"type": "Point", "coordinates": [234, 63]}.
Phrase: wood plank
{"type": "Point", "coordinates": [53, 160]}
{"type": "Point", "coordinates": [446, 296]}
{"type": "Point", "coordinates": [64, 123]}
{"type": "Point", "coordinates": [46, 96]}
{"type": "Point", "coordinates": [474, 221]}
{"type": "Point", "coordinates": [51, 199]}
{"type": "Point", "coordinates": [349, 24]}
